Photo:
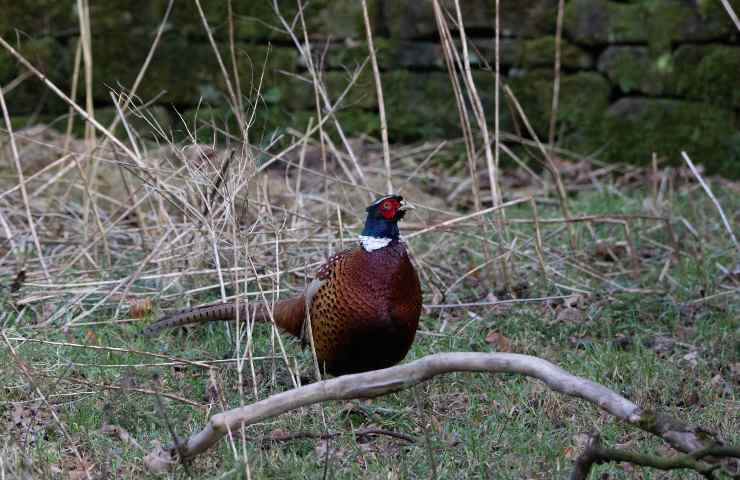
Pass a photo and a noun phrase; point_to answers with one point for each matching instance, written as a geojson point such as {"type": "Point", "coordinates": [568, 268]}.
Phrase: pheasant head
{"type": "Point", "coordinates": [381, 224]}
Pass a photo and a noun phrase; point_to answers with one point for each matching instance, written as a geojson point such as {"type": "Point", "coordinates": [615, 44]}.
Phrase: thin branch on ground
{"type": "Point", "coordinates": [595, 453]}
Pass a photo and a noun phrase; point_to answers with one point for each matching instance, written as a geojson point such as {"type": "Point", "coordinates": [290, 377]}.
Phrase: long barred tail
{"type": "Point", "coordinates": [207, 313]}
{"type": "Point", "coordinates": [288, 315]}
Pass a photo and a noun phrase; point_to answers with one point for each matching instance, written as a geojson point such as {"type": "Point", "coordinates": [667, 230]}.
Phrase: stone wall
{"type": "Point", "coordinates": [638, 75]}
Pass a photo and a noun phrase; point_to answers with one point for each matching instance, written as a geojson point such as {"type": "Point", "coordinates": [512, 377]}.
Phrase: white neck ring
{"type": "Point", "coordinates": [374, 243]}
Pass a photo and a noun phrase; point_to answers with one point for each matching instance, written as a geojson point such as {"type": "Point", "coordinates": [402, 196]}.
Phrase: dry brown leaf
{"type": "Point", "coordinates": [140, 308]}
{"type": "Point", "coordinates": [610, 252]}
{"type": "Point", "coordinates": [570, 453]}
{"type": "Point", "coordinates": [279, 434]}
{"type": "Point", "coordinates": [91, 338]}
{"type": "Point", "coordinates": [570, 315]}
{"type": "Point", "coordinates": [498, 342]}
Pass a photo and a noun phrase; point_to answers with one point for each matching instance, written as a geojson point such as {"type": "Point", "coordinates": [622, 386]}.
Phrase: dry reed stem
{"type": "Point", "coordinates": [50, 85]}
{"type": "Point", "coordinates": [24, 193]}
{"type": "Point", "coordinates": [716, 203]}
{"type": "Point", "coordinates": [539, 248]}
{"type": "Point", "coordinates": [454, 63]}
{"type": "Point", "coordinates": [170, 358]}
{"type": "Point", "coordinates": [462, 110]}
{"type": "Point", "coordinates": [233, 94]}
{"type": "Point", "coordinates": [731, 13]}
{"type": "Point", "coordinates": [89, 176]}
{"type": "Point", "coordinates": [556, 71]}
{"type": "Point", "coordinates": [491, 162]}
{"type": "Point", "coordinates": [562, 195]}
{"type": "Point", "coordinates": [105, 386]}
{"type": "Point", "coordinates": [73, 93]}
{"type": "Point", "coordinates": [462, 218]}
{"type": "Point", "coordinates": [497, 84]}
{"type": "Point", "coordinates": [478, 111]}
{"type": "Point", "coordinates": [381, 101]}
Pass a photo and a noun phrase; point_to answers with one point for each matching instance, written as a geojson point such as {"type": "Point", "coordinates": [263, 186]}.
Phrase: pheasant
{"type": "Point", "coordinates": [363, 303]}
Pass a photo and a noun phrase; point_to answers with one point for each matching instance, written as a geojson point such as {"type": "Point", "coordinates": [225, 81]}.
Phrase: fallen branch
{"type": "Point", "coordinates": [595, 453]}
{"type": "Point", "coordinates": [383, 382]}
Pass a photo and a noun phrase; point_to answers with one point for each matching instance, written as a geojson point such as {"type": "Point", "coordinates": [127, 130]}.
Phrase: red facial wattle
{"type": "Point", "coordinates": [389, 208]}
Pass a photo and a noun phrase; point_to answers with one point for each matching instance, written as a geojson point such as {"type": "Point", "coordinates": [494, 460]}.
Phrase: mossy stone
{"type": "Point", "coordinates": [637, 70]}
{"type": "Point", "coordinates": [658, 23]}
{"type": "Point", "coordinates": [583, 97]}
{"type": "Point", "coordinates": [709, 73]}
{"type": "Point", "coordinates": [184, 72]}
{"type": "Point", "coordinates": [419, 105]}
{"type": "Point", "coordinates": [596, 22]}
{"type": "Point", "coordinates": [415, 20]}
{"type": "Point", "coordinates": [633, 128]}
{"type": "Point", "coordinates": [540, 52]}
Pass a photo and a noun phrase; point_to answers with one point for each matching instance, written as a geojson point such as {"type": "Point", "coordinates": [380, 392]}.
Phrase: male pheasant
{"type": "Point", "coordinates": [364, 303]}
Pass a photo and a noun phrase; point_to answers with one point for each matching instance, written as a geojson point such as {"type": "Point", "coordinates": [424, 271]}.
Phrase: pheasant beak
{"type": "Point", "coordinates": [406, 206]}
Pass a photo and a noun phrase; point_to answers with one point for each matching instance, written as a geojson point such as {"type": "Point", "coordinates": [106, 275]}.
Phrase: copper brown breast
{"type": "Point", "coordinates": [366, 310]}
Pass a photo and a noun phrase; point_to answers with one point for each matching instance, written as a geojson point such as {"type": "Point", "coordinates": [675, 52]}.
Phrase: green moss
{"type": "Point", "coordinates": [420, 105]}
{"type": "Point", "coordinates": [583, 98]}
{"type": "Point", "coordinates": [709, 73]}
{"type": "Point", "coordinates": [658, 23]}
{"type": "Point", "coordinates": [540, 52]}
{"type": "Point", "coordinates": [183, 72]}
{"type": "Point", "coordinates": [597, 22]}
{"type": "Point", "coordinates": [634, 128]}
{"type": "Point", "coordinates": [635, 69]}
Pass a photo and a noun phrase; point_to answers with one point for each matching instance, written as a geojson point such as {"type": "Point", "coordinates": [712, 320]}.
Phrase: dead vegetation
{"type": "Point", "coordinates": [557, 256]}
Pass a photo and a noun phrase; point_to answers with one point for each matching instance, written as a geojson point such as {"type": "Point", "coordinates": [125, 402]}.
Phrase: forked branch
{"type": "Point", "coordinates": [383, 382]}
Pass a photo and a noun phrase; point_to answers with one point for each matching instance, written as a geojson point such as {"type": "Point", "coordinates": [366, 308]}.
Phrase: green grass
{"type": "Point", "coordinates": [478, 426]}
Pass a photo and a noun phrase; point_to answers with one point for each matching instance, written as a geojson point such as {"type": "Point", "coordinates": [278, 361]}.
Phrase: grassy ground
{"type": "Point", "coordinates": [666, 337]}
